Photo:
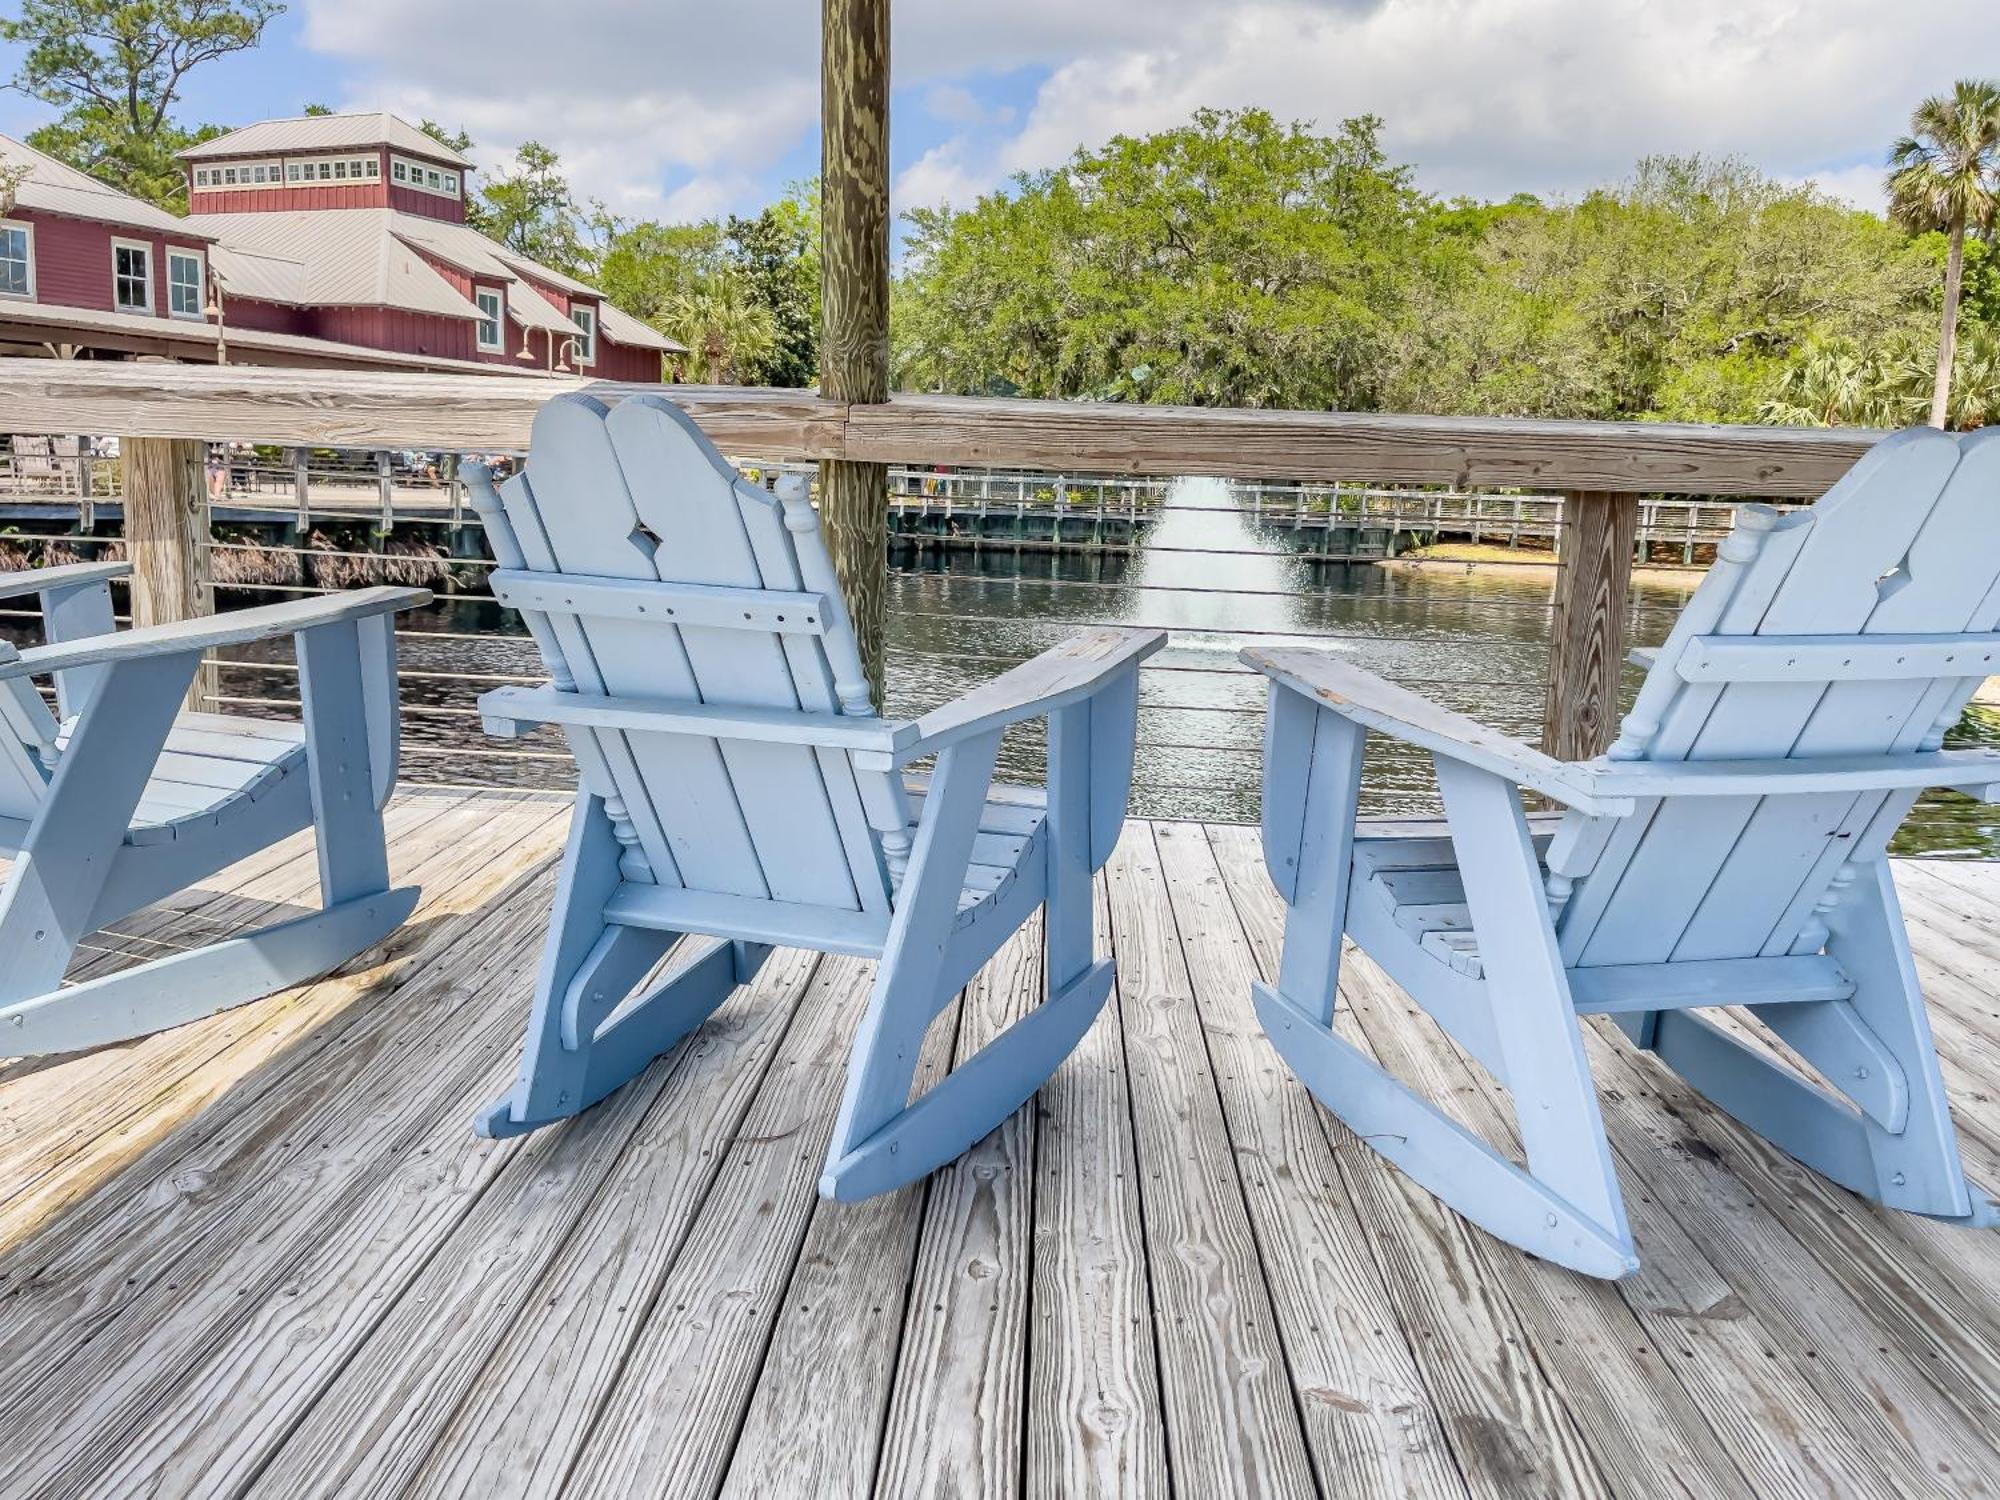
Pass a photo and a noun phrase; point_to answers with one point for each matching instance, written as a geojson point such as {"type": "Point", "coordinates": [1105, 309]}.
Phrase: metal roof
{"type": "Point", "coordinates": [55, 187]}
{"type": "Point", "coordinates": [370, 257]}
{"type": "Point", "coordinates": [326, 133]}
{"type": "Point", "coordinates": [349, 255]}
{"type": "Point", "coordinates": [268, 278]}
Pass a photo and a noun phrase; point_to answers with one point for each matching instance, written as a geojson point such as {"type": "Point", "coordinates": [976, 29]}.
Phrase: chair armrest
{"type": "Point", "coordinates": [191, 637]}
{"type": "Point", "coordinates": [1381, 706]}
{"type": "Point", "coordinates": [1079, 667]}
{"type": "Point", "coordinates": [504, 712]}
{"type": "Point", "coordinates": [42, 580]}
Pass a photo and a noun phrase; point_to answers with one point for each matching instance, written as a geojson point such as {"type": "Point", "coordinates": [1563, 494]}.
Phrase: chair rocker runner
{"type": "Point", "coordinates": [1729, 850]}
{"type": "Point", "coordinates": [738, 790]}
{"type": "Point", "coordinates": [120, 798]}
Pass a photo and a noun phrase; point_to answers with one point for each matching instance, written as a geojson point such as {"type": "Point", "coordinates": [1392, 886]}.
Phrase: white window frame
{"type": "Point", "coordinates": [585, 317]}
{"type": "Point", "coordinates": [498, 343]}
{"type": "Point", "coordinates": [200, 260]}
{"type": "Point", "coordinates": [28, 239]}
{"type": "Point", "coordinates": [444, 182]}
{"type": "Point", "coordinates": [144, 249]}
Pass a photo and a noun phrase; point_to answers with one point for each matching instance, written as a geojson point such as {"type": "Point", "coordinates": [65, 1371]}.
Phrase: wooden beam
{"type": "Point", "coordinates": [1587, 642]}
{"type": "Point", "coordinates": [1374, 447]}
{"type": "Point", "coordinates": [484, 413]}
{"type": "Point", "coordinates": [166, 536]}
{"type": "Point", "coordinates": [854, 299]}
{"type": "Point", "coordinates": [375, 409]}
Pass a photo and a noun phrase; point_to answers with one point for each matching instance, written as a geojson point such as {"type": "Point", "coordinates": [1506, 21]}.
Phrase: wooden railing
{"type": "Point", "coordinates": [1599, 466]}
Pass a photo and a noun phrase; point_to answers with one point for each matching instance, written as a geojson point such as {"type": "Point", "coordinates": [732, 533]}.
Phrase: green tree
{"type": "Point", "coordinates": [115, 69]}
{"type": "Point", "coordinates": [1230, 261]}
{"type": "Point", "coordinates": [532, 212]}
{"type": "Point", "coordinates": [777, 252]}
{"type": "Point", "coordinates": [452, 140]}
{"type": "Point", "coordinates": [728, 330]}
{"type": "Point", "coordinates": [1945, 175]}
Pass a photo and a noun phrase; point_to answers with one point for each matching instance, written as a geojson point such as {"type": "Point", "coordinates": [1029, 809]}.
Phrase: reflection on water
{"type": "Point", "coordinates": [1474, 641]}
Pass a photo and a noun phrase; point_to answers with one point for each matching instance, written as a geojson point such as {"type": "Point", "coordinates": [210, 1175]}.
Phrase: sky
{"type": "Point", "coordinates": [673, 109]}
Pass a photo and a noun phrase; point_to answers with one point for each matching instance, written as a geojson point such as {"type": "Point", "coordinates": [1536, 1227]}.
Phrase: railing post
{"type": "Point", "coordinates": [854, 305]}
{"type": "Point", "coordinates": [1587, 642]}
{"type": "Point", "coordinates": [166, 539]}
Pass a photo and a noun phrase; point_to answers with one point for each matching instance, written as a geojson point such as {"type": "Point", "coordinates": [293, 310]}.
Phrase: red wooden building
{"type": "Point", "coordinates": [331, 239]}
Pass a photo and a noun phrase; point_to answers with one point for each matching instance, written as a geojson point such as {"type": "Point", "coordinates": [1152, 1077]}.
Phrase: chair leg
{"type": "Point", "coordinates": [1906, 1158]}
{"type": "Point", "coordinates": [1565, 1205]}
{"type": "Point", "coordinates": [73, 843]}
{"type": "Point", "coordinates": [588, 967]}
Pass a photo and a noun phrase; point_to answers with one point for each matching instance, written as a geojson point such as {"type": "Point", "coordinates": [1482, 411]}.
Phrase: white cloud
{"type": "Point", "coordinates": [1486, 97]}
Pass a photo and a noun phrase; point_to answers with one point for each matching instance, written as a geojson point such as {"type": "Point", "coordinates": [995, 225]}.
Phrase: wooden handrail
{"type": "Point", "coordinates": [1601, 465]}
{"type": "Point", "coordinates": [371, 409]}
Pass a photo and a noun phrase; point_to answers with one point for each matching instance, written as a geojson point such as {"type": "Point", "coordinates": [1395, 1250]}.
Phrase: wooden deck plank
{"type": "Point", "coordinates": [1232, 1416]}
{"type": "Point", "coordinates": [77, 1122]}
{"type": "Point", "coordinates": [264, 1255]}
{"type": "Point", "coordinates": [1371, 1427]}
{"type": "Point", "coordinates": [513, 1424]}
{"type": "Point", "coordinates": [840, 1330]}
{"type": "Point", "coordinates": [358, 1367]}
{"type": "Point", "coordinates": [964, 1344]}
{"type": "Point", "coordinates": [667, 1424]}
{"type": "Point", "coordinates": [210, 1161]}
{"type": "Point", "coordinates": [1096, 1425]}
{"type": "Point", "coordinates": [404, 1134]}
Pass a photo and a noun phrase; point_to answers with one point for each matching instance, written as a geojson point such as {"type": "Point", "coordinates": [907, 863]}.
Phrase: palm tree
{"type": "Point", "coordinates": [1945, 174]}
{"type": "Point", "coordinates": [726, 329]}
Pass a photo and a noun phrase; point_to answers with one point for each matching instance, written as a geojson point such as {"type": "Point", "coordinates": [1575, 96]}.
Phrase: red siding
{"type": "Point", "coordinates": [392, 328]}
{"type": "Point", "coordinates": [272, 200]}
{"type": "Point", "coordinates": [73, 259]}
{"type": "Point", "coordinates": [427, 205]}
{"type": "Point", "coordinates": [271, 317]}
{"type": "Point", "coordinates": [623, 362]}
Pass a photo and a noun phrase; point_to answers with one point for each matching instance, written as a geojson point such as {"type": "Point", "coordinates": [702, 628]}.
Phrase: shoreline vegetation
{"type": "Point", "coordinates": [1480, 557]}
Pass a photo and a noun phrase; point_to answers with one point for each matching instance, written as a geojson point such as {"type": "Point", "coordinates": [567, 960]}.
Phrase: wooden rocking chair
{"type": "Point", "coordinates": [120, 798]}
{"type": "Point", "coordinates": [736, 784]}
{"type": "Point", "coordinates": [1730, 849]}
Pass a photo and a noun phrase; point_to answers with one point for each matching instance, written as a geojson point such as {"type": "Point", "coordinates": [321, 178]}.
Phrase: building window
{"type": "Point", "coordinates": [374, 166]}
{"type": "Point", "coordinates": [490, 307]}
{"type": "Point", "coordinates": [451, 182]}
{"type": "Point", "coordinates": [17, 260]}
{"type": "Point", "coordinates": [398, 171]}
{"type": "Point", "coordinates": [131, 277]}
{"type": "Point", "coordinates": [184, 280]}
{"type": "Point", "coordinates": [229, 174]}
{"type": "Point", "coordinates": [585, 319]}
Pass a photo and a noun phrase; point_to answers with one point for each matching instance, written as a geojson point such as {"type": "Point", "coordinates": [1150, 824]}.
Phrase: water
{"type": "Point", "coordinates": [1473, 641]}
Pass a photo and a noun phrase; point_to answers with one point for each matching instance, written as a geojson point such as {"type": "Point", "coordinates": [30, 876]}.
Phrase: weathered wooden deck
{"type": "Point", "coordinates": [265, 1255]}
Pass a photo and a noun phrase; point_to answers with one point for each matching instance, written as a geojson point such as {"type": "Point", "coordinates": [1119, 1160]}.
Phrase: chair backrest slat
{"type": "Point", "coordinates": [637, 493]}
{"type": "Point", "coordinates": [1897, 548]}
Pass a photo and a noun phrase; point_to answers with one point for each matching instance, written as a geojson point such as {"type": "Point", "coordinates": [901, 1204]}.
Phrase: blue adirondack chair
{"type": "Point", "coordinates": [120, 798]}
{"type": "Point", "coordinates": [737, 786]}
{"type": "Point", "coordinates": [1729, 850]}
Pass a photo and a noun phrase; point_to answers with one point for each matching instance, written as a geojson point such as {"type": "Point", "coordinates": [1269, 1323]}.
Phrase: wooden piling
{"type": "Point", "coordinates": [1587, 642]}
{"type": "Point", "coordinates": [854, 316]}
{"type": "Point", "coordinates": [166, 532]}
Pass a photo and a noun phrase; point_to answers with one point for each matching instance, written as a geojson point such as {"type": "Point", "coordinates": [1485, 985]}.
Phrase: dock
{"type": "Point", "coordinates": [264, 1254]}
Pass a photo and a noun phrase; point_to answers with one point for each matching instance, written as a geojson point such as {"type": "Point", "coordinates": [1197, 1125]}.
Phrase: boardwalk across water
{"type": "Point", "coordinates": [264, 1254]}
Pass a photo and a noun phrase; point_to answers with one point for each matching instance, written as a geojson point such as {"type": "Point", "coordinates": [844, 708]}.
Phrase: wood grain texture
{"type": "Point", "coordinates": [854, 299]}
{"type": "Point", "coordinates": [262, 1255]}
{"type": "Point", "coordinates": [166, 531]}
{"type": "Point", "coordinates": [365, 409]}
{"type": "Point", "coordinates": [1587, 640]}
